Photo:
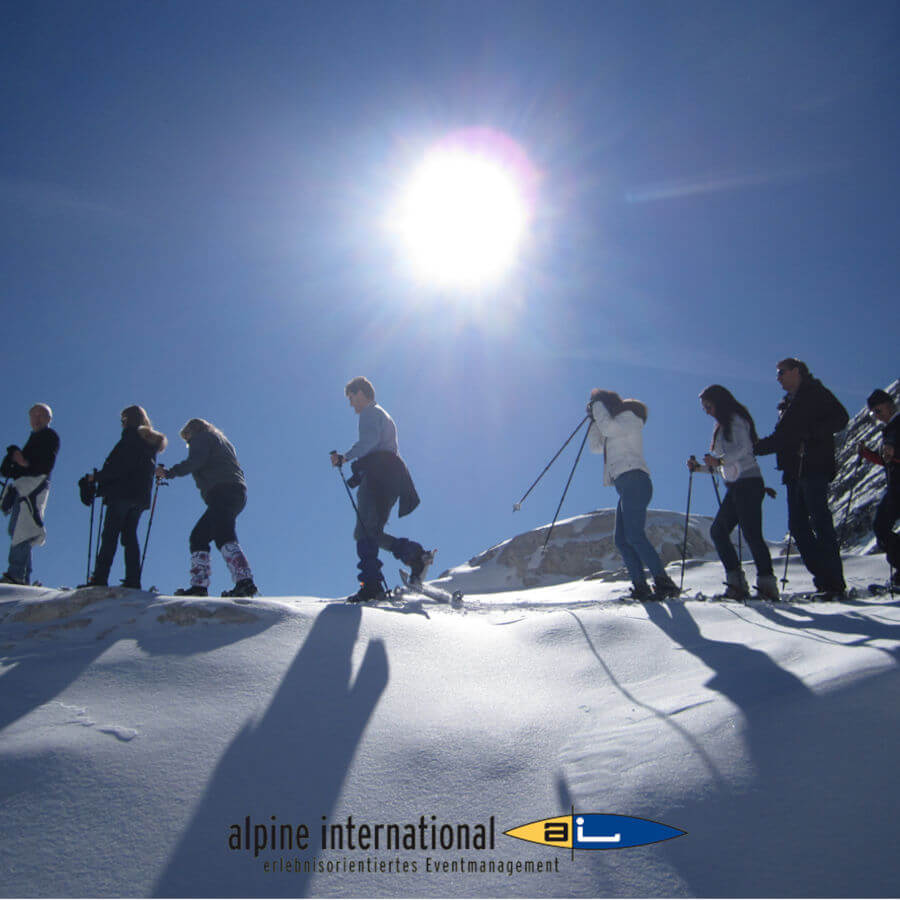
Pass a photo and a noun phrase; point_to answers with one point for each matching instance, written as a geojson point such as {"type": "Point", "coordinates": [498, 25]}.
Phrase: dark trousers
{"type": "Point", "coordinates": [811, 525]}
{"type": "Point", "coordinates": [224, 503]}
{"type": "Point", "coordinates": [121, 523]}
{"type": "Point", "coordinates": [885, 516]}
{"type": "Point", "coordinates": [370, 535]}
{"type": "Point", "coordinates": [742, 505]}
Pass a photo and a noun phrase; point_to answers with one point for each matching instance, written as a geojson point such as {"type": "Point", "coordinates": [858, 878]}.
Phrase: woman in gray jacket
{"type": "Point", "coordinates": [731, 450]}
{"type": "Point", "coordinates": [220, 479]}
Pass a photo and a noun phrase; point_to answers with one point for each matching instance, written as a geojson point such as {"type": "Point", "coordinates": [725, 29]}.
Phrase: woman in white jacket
{"type": "Point", "coordinates": [617, 433]}
{"type": "Point", "coordinates": [731, 450]}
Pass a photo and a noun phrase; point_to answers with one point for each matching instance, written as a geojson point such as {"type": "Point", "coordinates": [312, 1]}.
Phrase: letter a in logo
{"type": "Point", "coordinates": [594, 831]}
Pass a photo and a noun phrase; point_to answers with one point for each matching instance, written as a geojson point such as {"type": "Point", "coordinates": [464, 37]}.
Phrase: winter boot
{"type": "Point", "coordinates": [736, 587]}
{"type": "Point", "coordinates": [6, 578]}
{"type": "Point", "coordinates": [419, 566]}
{"type": "Point", "coordinates": [195, 590]}
{"type": "Point", "coordinates": [367, 591]}
{"type": "Point", "coordinates": [244, 588]}
{"type": "Point", "coordinates": [665, 587]}
{"type": "Point", "coordinates": [642, 592]}
{"type": "Point", "coordinates": [767, 587]}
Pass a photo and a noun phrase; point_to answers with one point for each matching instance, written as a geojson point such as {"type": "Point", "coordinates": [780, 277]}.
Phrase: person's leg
{"type": "Point", "coordinates": [19, 569]}
{"type": "Point", "coordinates": [721, 528]}
{"type": "Point", "coordinates": [749, 494]}
{"type": "Point", "coordinates": [132, 547]}
{"type": "Point", "coordinates": [112, 527]}
{"type": "Point", "coordinates": [815, 493]}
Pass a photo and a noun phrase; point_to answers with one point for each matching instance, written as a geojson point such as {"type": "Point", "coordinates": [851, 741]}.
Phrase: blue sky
{"type": "Point", "coordinates": [192, 199]}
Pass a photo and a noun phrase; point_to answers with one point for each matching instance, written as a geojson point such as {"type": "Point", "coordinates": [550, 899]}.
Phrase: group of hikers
{"type": "Point", "coordinates": [802, 441]}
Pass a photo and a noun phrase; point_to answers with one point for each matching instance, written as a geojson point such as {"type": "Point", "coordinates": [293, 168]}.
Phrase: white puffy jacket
{"type": "Point", "coordinates": [620, 439]}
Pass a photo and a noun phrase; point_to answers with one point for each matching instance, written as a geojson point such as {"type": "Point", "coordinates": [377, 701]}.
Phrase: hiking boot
{"type": "Point", "coordinates": [642, 592]}
{"type": "Point", "coordinates": [94, 582]}
{"type": "Point", "coordinates": [419, 566]}
{"type": "Point", "coordinates": [6, 578]}
{"type": "Point", "coordinates": [736, 586]}
{"type": "Point", "coordinates": [244, 588]}
{"type": "Point", "coordinates": [365, 594]}
{"type": "Point", "coordinates": [195, 590]}
{"type": "Point", "coordinates": [767, 587]}
{"type": "Point", "coordinates": [665, 587]}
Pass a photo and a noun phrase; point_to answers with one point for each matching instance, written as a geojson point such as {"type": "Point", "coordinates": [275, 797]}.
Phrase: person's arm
{"type": "Point", "coordinates": [198, 453]}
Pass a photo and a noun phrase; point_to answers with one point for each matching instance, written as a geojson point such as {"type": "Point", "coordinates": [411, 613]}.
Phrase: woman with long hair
{"type": "Point", "coordinates": [617, 432]}
{"type": "Point", "coordinates": [731, 450]}
{"type": "Point", "coordinates": [213, 463]}
{"type": "Point", "coordinates": [126, 483]}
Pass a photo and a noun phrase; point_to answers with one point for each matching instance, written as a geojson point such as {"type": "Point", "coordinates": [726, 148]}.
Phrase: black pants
{"type": "Point", "coordinates": [742, 506]}
{"type": "Point", "coordinates": [224, 502]}
{"type": "Point", "coordinates": [122, 517]}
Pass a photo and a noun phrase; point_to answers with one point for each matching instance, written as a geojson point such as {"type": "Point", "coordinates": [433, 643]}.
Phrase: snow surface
{"type": "Point", "coordinates": [136, 729]}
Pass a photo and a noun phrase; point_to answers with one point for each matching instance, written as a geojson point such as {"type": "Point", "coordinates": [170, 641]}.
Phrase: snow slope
{"type": "Point", "coordinates": [136, 730]}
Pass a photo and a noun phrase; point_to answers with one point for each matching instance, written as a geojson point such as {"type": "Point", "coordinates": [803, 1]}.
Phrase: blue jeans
{"type": "Point", "coordinates": [19, 554]}
{"type": "Point", "coordinates": [370, 535]}
{"type": "Point", "coordinates": [635, 491]}
{"type": "Point", "coordinates": [742, 506]}
{"type": "Point", "coordinates": [810, 523]}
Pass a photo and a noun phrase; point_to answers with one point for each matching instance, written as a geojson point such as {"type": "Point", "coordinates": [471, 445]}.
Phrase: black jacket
{"type": "Point", "coordinates": [803, 439]}
{"type": "Point", "coordinates": [127, 473]}
{"type": "Point", "coordinates": [40, 450]}
{"type": "Point", "coordinates": [387, 475]}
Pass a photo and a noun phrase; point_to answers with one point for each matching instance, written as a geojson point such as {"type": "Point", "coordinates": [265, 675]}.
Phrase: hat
{"type": "Point", "coordinates": [877, 397]}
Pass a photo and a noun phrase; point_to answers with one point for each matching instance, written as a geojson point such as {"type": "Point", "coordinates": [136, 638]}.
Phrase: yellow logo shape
{"type": "Point", "coordinates": [552, 832]}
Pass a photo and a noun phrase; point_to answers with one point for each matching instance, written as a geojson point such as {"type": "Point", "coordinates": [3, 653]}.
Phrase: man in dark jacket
{"type": "Point", "coordinates": [25, 495]}
{"type": "Point", "coordinates": [882, 406]}
{"type": "Point", "coordinates": [383, 479]}
{"type": "Point", "coordinates": [803, 444]}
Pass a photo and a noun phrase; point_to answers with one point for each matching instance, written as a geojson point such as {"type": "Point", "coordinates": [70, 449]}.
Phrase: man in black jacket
{"type": "Point", "coordinates": [803, 444]}
{"type": "Point", "coordinates": [25, 495]}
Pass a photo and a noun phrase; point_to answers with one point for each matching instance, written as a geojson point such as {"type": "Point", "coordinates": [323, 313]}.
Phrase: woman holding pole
{"type": "Point", "coordinates": [617, 432]}
{"type": "Point", "coordinates": [731, 450]}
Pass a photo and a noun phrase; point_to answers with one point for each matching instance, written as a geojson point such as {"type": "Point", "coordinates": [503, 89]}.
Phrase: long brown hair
{"type": "Point", "coordinates": [725, 408]}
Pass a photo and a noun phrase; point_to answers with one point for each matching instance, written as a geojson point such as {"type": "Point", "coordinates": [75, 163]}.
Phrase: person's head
{"type": "Point", "coordinates": [193, 427]}
{"type": "Point", "coordinates": [40, 415]}
{"type": "Point", "coordinates": [360, 392]}
{"type": "Point", "coordinates": [615, 404]}
{"type": "Point", "coordinates": [881, 405]}
{"type": "Point", "coordinates": [135, 417]}
{"type": "Point", "coordinates": [790, 373]}
{"type": "Point", "coordinates": [722, 405]}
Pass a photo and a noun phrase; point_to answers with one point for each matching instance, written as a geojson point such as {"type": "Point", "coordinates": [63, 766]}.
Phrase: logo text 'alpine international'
{"type": "Point", "coordinates": [594, 831]}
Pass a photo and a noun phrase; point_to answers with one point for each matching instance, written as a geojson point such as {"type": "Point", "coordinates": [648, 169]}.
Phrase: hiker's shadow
{"type": "Point", "coordinates": [290, 764]}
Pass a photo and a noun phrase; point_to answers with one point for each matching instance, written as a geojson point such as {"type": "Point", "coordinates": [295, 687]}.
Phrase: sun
{"type": "Point", "coordinates": [462, 215]}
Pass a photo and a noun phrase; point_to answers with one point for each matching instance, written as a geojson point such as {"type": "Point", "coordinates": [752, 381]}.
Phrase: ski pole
{"type": "Point", "coordinates": [518, 506]}
{"type": "Point", "coordinates": [566, 491]}
{"type": "Point", "coordinates": [787, 557]}
{"type": "Point", "coordinates": [87, 577]}
{"type": "Point", "coordinates": [104, 511]}
{"type": "Point", "coordinates": [687, 518]}
{"type": "Point", "coordinates": [150, 525]}
{"type": "Point", "coordinates": [362, 527]}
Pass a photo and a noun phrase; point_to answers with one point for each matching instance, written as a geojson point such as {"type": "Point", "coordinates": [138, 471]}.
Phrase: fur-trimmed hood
{"type": "Point", "coordinates": [155, 439]}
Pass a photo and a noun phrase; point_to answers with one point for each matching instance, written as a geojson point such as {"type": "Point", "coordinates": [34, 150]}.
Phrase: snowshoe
{"type": "Point", "coordinates": [642, 592]}
{"type": "Point", "coordinates": [419, 567]}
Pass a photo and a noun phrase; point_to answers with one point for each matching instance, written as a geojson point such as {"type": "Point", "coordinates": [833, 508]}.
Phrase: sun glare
{"type": "Point", "coordinates": [462, 217]}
